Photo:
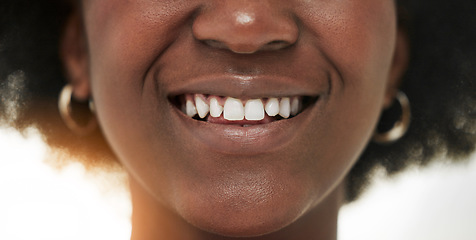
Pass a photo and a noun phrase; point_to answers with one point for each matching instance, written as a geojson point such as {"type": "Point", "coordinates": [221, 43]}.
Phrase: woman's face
{"type": "Point", "coordinates": [146, 57]}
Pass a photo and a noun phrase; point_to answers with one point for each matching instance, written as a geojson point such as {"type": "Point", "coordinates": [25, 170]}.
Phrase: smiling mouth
{"type": "Point", "coordinates": [243, 112]}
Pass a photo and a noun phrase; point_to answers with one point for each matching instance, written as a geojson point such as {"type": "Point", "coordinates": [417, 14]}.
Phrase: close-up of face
{"type": "Point", "coordinates": [237, 117]}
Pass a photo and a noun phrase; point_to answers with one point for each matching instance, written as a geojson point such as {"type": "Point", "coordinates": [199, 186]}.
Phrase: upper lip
{"type": "Point", "coordinates": [241, 86]}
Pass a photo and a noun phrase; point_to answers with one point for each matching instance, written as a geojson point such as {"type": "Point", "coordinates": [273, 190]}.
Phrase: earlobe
{"type": "Point", "coordinates": [74, 54]}
{"type": "Point", "coordinates": [399, 66]}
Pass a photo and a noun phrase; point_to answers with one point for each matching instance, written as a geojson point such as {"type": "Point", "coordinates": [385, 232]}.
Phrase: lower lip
{"type": "Point", "coordinates": [238, 140]}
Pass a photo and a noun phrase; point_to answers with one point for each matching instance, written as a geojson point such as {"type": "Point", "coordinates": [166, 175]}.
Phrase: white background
{"type": "Point", "coordinates": [38, 202]}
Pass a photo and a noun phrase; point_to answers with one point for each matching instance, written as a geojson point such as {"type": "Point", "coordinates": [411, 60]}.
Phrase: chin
{"type": "Point", "coordinates": [253, 221]}
{"type": "Point", "coordinates": [247, 208]}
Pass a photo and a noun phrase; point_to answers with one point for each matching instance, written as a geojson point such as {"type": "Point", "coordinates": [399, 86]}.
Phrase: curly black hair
{"type": "Point", "coordinates": [440, 84]}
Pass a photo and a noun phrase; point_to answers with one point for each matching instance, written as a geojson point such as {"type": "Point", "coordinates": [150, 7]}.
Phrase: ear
{"type": "Point", "coordinates": [399, 66]}
{"type": "Point", "coordinates": [74, 53]}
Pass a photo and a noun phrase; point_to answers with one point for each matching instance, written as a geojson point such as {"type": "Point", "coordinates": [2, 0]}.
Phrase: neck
{"type": "Point", "coordinates": [151, 220]}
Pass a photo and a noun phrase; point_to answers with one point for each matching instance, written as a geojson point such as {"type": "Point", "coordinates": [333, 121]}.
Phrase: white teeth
{"type": "Point", "coordinates": [285, 108]}
{"type": "Point", "coordinates": [295, 106]}
{"type": "Point", "coordinates": [233, 109]}
{"type": "Point", "coordinates": [215, 108]}
{"type": "Point", "coordinates": [202, 106]}
{"type": "Point", "coordinates": [190, 109]}
{"type": "Point", "coordinates": [272, 107]}
{"type": "Point", "coordinates": [254, 110]}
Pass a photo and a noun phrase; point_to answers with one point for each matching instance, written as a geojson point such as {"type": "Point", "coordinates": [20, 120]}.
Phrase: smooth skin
{"type": "Point", "coordinates": [132, 56]}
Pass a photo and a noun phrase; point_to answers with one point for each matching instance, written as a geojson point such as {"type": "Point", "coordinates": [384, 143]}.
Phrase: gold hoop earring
{"type": "Point", "coordinates": [64, 106]}
{"type": "Point", "coordinates": [401, 125]}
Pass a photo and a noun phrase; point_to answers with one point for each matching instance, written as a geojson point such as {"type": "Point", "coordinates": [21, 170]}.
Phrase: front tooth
{"type": "Point", "coordinates": [295, 106]}
{"type": "Point", "coordinates": [272, 107]}
{"type": "Point", "coordinates": [233, 109]}
{"type": "Point", "coordinates": [202, 107]}
{"type": "Point", "coordinates": [285, 108]}
{"type": "Point", "coordinates": [215, 108]}
{"type": "Point", "coordinates": [190, 108]}
{"type": "Point", "coordinates": [254, 110]}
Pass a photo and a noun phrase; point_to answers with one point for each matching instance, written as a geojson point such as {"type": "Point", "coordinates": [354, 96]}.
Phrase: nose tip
{"type": "Point", "coordinates": [247, 29]}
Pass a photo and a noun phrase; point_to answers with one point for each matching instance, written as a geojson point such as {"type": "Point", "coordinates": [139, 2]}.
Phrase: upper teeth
{"type": "Point", "coordinates": [235, 109]}
{"type": "Point", "coordinates": [254, 109]}
{"type": "Point", "coordinates": [272, 107]}
{"type": "Point", "coordinates": [202, 107]}
{"type": "Point", "coordinates": [215, 108]}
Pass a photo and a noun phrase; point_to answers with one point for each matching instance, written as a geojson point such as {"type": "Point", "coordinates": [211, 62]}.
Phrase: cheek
{"type": "Point", "coordinates": [125, 37]}
{"type": "Point", "coordinates": [358, 37]}
{"type": "Point", "coordinates": [124, 40]}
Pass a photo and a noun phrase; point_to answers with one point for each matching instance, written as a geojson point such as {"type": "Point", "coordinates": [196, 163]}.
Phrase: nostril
{"type": "Point", "coordinates": [245, 27]}
{"type": "Point", "coordinates": [247, 48]}
{"type": "Point", "coordinates": [214, 44]}
{"type": "Point", "coordinates": [276, 45]}
{"type": "Point", "coordinates": [276, 42]}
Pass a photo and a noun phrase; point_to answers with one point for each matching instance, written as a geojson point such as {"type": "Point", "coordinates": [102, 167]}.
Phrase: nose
{"type": "Point", "coordinates": [245, 26]}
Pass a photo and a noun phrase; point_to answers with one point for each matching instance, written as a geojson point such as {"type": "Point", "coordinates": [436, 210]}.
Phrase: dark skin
{"type": "Point", "coordinates": [192, 179]}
